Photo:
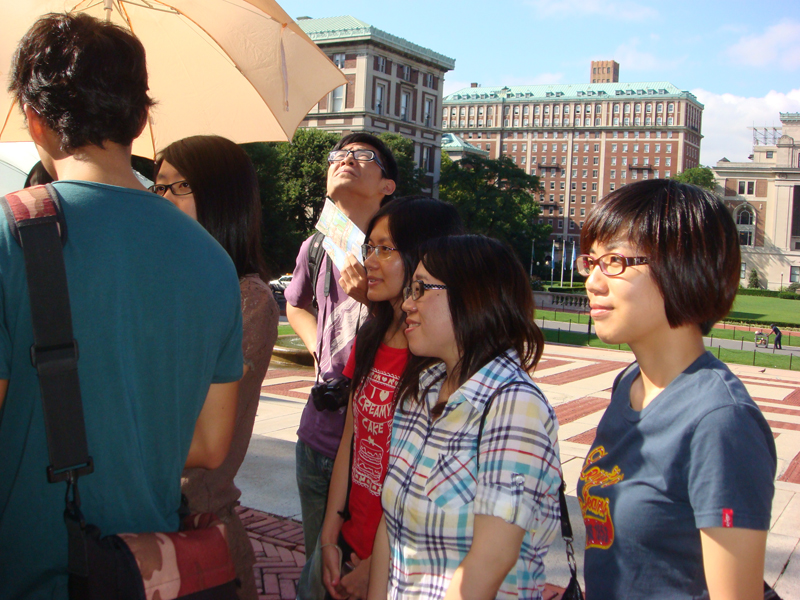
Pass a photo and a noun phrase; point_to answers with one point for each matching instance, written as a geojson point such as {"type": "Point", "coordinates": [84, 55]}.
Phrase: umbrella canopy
{"type": "Point", "coordinates": [238, 68]}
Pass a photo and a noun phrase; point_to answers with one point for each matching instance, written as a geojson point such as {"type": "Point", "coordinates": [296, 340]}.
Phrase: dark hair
{"type": "Point", "coordinates": [38, 175]}
{"type": "Point", "coordinates": [412, 221]}
{"type": "Point", "coordinates": [86, 78]}
{"type": "Point", "coordinates": [384, 153]}
{"type": "Point", "coordinates": [690, 238]}
{"type": "Point", "coordinates": [491, 305]}
{"type": "Point", "coordinates": [225, 188]}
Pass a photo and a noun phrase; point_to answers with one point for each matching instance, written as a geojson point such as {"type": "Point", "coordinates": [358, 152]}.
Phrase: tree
{"type": "Point", "coordinates": [292, 179]}
{"type": "Point", "coordinates": [411, 178]}
{"type": "Point", "coordinates": [752, 281]}
{"type": "Point", "coordinates": [700, 176]}
{"type": "Point", "coordinates": [495, 198]}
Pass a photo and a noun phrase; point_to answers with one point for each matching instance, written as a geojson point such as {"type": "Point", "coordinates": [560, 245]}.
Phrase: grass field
{"type": "Point", "coordinates": [760, 309]}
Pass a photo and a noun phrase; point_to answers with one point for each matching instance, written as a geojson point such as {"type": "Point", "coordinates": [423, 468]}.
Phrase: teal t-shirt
{"type": "Point", "coordinates": [157, 316]}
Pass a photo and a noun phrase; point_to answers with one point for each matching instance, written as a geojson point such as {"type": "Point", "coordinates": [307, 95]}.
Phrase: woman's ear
{"type": "Point", "coordinates": [36, 124]}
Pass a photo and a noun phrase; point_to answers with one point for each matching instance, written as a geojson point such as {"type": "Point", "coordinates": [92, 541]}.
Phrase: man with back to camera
{"type": "Point", "coordinates": [357, 184]}
{"type": "Point", "coordinates": [155, 311]}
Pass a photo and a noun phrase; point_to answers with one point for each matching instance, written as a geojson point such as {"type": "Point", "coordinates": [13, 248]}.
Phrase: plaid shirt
{"type": "Point", "coordinates": [434, 485]}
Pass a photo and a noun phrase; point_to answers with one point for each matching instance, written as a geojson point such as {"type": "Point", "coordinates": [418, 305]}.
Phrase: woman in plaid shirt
{"type": "Point", "coordinates": [470, 498]}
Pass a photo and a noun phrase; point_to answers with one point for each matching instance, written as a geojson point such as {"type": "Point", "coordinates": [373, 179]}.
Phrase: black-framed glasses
{"type": "Point", "coordinates": [416, 290]}
{"type": "Point", "coordinates": [611, 264]}
{"type": "Point", "coordinates": [360, 154]}
{"type": "Point", "coordinates": [179, 188]}
{"type": "Point", "coordinates": [381, 252]}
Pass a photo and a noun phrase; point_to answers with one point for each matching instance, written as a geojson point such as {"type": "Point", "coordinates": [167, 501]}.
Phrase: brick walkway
{"type": "Point", "coordinates": [278, 545]}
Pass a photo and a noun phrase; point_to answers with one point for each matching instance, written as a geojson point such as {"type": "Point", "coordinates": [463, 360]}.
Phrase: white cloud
{"type": "Point", "coordinates": [617, 10]}
{"type": "Point", "coordinates": [779, 44]}
{"type": "Point", "coordinates": [726, 119]}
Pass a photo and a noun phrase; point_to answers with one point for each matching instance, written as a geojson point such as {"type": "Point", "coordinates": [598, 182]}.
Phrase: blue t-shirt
{"type": "Point", "coordinates": [156, 313]}
{"type": "Point", "coordinates": [699, 455]}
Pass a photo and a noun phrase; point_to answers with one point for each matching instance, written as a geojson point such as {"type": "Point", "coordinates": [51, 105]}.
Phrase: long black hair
{"type": "Point", "coordinates": [225, 189]}
{"type": "Point", "coordinates": [412, 221]}
{"type": "Point", "coordinates": [491, 304]}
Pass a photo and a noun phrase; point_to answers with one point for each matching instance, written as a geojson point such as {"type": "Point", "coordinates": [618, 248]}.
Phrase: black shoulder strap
{"type": "Point", "coordinates": [316, 256]}
{"type": "Point", "coordinates": [37, 222]}
{"type": "Point", "coordinates": [36, 219]}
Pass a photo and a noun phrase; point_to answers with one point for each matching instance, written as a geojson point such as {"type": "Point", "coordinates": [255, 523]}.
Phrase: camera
{"type": "Point", "coordinates": [331, 395]}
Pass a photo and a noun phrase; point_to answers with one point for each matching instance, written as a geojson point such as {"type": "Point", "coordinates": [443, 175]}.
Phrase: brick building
{"type": "Point", "coordinates": [764, 196]}
{"type": "Point", "coordinates": [582, 140]}
{"type": "Point", "coordinates": [392, 86]}
{"type": "Point", "coordinates": [605, 71]}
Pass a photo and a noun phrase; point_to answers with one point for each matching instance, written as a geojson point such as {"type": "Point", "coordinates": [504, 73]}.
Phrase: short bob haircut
{"type": "Point", "coordinates": [690, 238]}
{"type": "Point", "coordinates": [85, 77]}
{"type": "Point", "coordinates": [491, 304]}
{"type": "Point", "coordinates": [226, 196]}
{"type": "Point", "coordinates": [412, 221]}
{"type": "Point", "coordinates": [385, 155]}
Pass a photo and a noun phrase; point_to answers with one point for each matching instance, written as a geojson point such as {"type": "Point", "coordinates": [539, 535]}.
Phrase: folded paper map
{"type": "Point", "coordinates": [342, 236]}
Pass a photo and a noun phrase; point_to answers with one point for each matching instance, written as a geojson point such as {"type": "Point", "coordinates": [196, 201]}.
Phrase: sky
{"type": "Point", "coordinates": [741, 59]}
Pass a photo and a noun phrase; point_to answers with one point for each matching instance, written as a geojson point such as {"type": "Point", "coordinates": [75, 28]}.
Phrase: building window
{"type": "Point", "coordinates": [426, 164]}
{"type": "Point", "coordinates": [338, 60]}
{"type": "Point", "coordinates": [743, 271]}
{"type": "Point", "coordinates": [429, 80]}
{"type": "Point", "coordinates": [429, 113]}
{"type": "Point", "coordinates": [405, 107]}
{"type": "Point", "coordinates": [770, 154]}
{"type": "Point", "coordinates": [747, 188]}
{"type": "Point", "coordinates": [337, 99]}
{"type": "Point", "coordinates": [382, 64]}
{"type": "Point", "coordinates": [380, 99]}
{"type": "Point", "coordinates": [794, 274]}
{"type": "Point", "coordinates": [406, 72]}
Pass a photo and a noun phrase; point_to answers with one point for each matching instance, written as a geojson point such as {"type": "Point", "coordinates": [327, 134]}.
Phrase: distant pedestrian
{"type": "Point", "coordinates": [778, 335]}
{"type": "Point", "coordinates": [677, 488]}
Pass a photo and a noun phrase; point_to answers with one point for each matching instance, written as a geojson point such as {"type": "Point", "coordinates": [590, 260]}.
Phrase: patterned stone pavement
{"type": "Point", "coordinates": [577, 382]}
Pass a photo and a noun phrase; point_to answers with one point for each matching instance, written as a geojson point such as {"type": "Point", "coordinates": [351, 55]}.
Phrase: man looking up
{"type": "Point", "coordinates": [155, 311]}
{"type": "Point", "coordinates": [357, 185]}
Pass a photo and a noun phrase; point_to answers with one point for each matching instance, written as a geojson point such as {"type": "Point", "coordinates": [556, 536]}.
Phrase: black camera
{"type": "Point", "coordinates": [331, 395]}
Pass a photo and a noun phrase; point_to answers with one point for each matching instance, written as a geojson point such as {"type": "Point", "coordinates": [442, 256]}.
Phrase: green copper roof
{"type": "Point", "coordinates": [790, 117]}
{"type": "Point", "coordinates": [454, 143]}
{"type": "Point", "coordinates": [349, 28]}
{"type": "Point", "coordinates": [571, 92]}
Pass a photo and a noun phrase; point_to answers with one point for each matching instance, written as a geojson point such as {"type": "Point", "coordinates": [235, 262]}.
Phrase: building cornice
{"type": "Point", "coordinates": [364, 33]}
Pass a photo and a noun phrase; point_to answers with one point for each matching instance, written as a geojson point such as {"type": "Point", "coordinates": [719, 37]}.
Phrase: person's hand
{"type": "Point", "coordinates": [353, 279]}
{"type": "Point", "coordinates": [331, 561]}
{"type": "Point", "coordinates": [356, 583]}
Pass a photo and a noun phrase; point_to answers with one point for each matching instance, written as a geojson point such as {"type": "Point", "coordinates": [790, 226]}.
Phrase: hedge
{"type": "Point", "coordinates": [566, 290]}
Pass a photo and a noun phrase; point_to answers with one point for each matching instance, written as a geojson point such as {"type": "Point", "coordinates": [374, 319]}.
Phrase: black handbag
{"type": "Point", "coordinates": [197, 564]}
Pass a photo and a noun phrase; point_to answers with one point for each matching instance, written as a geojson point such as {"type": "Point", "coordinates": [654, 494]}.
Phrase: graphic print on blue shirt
{"type": "Point", "coordinates": [595, 510]}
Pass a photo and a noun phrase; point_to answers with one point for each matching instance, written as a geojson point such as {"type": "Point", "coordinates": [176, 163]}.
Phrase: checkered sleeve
{"type": "Point", "coordinates": [519, 468]}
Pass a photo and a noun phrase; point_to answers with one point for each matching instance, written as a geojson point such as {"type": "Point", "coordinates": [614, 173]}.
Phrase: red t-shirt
{"type": "Point", "coordinates": [373, 410]}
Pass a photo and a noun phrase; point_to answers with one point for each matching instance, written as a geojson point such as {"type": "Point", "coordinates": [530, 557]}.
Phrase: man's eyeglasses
{"type": "Point", "coordinates": [360, 154]}
{"type": "Point", "coordinates": [416, 290]}
{"type": "Point", "coordinates": [179, 188]}
{"type": "Point", "coordinates": [612, 264]}
{"type": "Point", "coordinates": [381, 252]}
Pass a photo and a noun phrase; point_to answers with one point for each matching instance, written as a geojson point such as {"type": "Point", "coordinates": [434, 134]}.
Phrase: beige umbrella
{"type": "Point", "coordinates": [237, 68]}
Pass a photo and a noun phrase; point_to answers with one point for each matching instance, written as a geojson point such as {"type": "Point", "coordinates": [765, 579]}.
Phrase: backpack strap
{"type": "Point", "coordinates": [37, 223]}
{"type": "Point", "coordinates": [316, 256]}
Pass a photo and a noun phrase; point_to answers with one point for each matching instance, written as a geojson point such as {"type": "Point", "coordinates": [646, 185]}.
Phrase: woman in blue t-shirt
{"type": "Point", "coordinates": [677, 488]}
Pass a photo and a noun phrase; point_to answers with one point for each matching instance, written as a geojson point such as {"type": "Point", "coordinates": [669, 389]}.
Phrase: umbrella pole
{"type": "Point", "coordinates": [108, 6]}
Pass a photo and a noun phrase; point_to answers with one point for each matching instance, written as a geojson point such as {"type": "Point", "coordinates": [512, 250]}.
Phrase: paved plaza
{"type": "Point", "coordinates": [577, 381]}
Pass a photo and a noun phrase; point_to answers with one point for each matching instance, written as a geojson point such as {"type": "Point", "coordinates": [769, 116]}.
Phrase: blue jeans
{"type": "Point", "coordinates": [313, 471]}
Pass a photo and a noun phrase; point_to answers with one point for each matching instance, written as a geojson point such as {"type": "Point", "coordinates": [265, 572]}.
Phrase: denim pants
{"type": "Point", "coordinates": [313, 471]}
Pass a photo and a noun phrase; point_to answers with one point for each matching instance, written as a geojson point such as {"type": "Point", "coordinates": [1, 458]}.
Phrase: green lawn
{"type": "Point", "coordinates": [285, 330]}
{"type": "Point", "coordinates": [761, 309]}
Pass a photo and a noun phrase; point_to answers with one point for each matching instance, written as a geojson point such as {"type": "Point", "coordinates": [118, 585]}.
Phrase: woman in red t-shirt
{"type": "Point", "coordinates": [378, 359]}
